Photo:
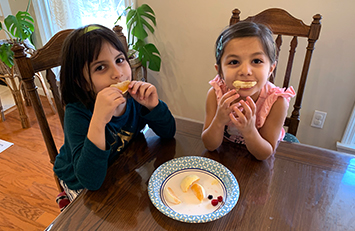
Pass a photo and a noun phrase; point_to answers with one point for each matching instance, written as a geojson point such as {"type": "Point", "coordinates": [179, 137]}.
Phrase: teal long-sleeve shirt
{"type": "Point", "coordinates": [80, 164]}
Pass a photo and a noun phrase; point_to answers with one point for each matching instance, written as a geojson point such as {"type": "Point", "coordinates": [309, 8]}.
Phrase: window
{"type": "Point", "coordinates": [55, 15]}
{"type": "Point", "coordinates": [347, 143]}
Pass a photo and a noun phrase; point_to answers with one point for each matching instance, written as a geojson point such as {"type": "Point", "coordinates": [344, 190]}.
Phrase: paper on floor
{"type": "Point", "coordinates": [4, 145]}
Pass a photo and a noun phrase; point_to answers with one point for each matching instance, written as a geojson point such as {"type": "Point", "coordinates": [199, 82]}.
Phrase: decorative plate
{"type": "Point", "coordinates": [216, 179]}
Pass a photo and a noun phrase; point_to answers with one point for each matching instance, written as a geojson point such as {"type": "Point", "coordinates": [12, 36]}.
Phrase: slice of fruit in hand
{"type": "Point", "coordinates": [199, 191]}
{"type": "Point", "coordinates": [241, 84]}
{"type": "Point", "coordinates": [188, 181]}
{"type": "Point", "coordinates": [170, 196]}
{"type": "Point", "coordinates": [123, 86]}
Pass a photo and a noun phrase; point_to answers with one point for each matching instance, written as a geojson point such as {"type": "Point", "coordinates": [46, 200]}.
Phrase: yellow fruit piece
{"type": "Point", "coordinates": [240, 84]}
{"type": "Point", "coordinates": [199, 191]}
{"type": "Point", "coordinates": [170, 196]}
{"type": "Point", "coordinates": [123, 86]}
{"type": "Point", "coordinates": [188, 181]}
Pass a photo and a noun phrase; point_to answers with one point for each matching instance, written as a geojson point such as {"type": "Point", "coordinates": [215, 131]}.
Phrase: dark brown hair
{"type": "Point", "coordinates": [246, 29]}
{"type": "Point", "coordinates": [80, 49]}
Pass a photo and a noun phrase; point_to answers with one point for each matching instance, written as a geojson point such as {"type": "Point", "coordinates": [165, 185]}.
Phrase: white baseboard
{"type": "Point", "coordinates": [345, 148]}
{"type": "Point", "coordinates": [188, 119]}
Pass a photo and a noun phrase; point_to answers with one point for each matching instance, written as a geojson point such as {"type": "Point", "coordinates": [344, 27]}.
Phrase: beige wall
{"type": "Point", "coordinates": [185, 36]}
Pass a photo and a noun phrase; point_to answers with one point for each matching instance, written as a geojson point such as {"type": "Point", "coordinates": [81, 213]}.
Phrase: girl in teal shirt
{"type": "Point", "coordinates": [100, 120]}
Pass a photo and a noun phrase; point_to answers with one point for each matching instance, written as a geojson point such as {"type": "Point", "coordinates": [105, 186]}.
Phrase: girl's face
{"type": "Point", "coordinates": [110, 67]}
{"type": "Point", "coordinates": [244, 59]}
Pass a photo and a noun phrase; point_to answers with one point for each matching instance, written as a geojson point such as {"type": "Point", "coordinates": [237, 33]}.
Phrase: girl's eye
{"type": "Point", "coordinates": [257, 61]}
{"type": "Point", "coordinates": [234, 62]}
{"type": "Point", "coordinates": [120, 60]}
{"type": "Point", "coordinates": [99, 68]}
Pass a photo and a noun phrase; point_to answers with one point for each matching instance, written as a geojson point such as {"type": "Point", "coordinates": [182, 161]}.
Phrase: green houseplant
{"type": "Point", "coordinates": [19, 28]}
{"type": "Point", "coordinates": [138, 21]}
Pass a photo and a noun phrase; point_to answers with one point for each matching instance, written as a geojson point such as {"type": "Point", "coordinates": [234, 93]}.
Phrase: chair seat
{"type": "Point", "coordinates": [290, 138]}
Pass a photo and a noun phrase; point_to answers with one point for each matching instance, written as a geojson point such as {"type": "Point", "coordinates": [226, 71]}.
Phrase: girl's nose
{"type": "Point", "coordinates": [116, 73]}
{"type": "Point", "coordinates": [245, 69]}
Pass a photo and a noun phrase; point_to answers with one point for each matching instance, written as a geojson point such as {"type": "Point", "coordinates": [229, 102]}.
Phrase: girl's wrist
{"type": "Point", "coordinates": [251, 135]}
{"type": "Point", "coordinates": [217, 123]}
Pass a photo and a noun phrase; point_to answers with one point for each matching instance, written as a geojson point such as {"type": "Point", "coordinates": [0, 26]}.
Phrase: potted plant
{"type": "Point", "coordinates": [138, 21]}
{"type": "Point", "coordinates": [18, 28]}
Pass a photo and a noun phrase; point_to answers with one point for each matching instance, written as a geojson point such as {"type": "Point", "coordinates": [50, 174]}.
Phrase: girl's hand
{"type": "Point", "coordinates": [225, 106]}
{"type": "Point", "coordinates": [107, 103]}
{"type": "Point", "coordinates": [144, 93]}
{"type": "Point", "coordinates": [243, 116]}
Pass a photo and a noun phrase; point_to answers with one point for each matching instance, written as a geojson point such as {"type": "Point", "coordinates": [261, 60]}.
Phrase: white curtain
{"type": "Point", "coordinates": [55, 15]}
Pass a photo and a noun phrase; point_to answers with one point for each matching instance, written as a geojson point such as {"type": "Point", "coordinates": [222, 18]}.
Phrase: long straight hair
{"type": "Point", "coordinates": [79, 50]}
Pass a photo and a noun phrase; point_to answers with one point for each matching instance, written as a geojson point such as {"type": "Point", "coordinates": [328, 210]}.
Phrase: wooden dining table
{"type": "Point", "coordinates": [300, 187]}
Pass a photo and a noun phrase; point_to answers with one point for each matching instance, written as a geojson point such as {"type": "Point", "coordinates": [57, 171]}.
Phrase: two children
{"type": "Point", "coordinates": [100, 120]}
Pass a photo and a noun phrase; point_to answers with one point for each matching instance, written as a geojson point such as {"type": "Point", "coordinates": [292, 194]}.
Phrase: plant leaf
{"type": "Point", "coordinates": [20, 26]}
{"type": "Point", "coordinates": [146, 8]}
{"type": "Point", "coordinates": [137, 21]}
{"type": "Point", "coordinates": [6, 54]}
{"type": "Point", "coordinates": [148, 25]}
{"type": "Point", "coordinates": [149, 53]}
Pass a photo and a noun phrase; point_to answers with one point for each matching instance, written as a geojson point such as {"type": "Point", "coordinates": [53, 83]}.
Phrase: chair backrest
{"type": "Point", "coordinates": [282, 24]}
{"type": "Point", "coordinates": [44, 59]}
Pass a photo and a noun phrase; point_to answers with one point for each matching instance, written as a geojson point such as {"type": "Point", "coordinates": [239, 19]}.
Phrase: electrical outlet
{"type": "Point", "coordinates": [318, 119]}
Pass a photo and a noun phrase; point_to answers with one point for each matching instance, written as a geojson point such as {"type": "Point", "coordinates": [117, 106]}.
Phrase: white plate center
{"type": "Point", "coordinates": [190, 204]}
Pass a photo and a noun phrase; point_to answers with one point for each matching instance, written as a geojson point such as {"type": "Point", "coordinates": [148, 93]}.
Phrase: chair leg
{"type": "Point", "coordinates": [59, 186]}
{"type": "Point", "coordinates": [46, 92]}
{"type": "Point", "coordinates": [16, 92]}
{"type": "Point", "coordinates": [2, 115]}
{"type": "Point", "coordinates": [25, 95]}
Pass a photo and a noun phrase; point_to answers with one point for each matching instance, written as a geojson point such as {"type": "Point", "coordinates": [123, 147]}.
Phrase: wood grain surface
{"type": "Point", "coordinates": [299, 188]}
{"type": "Point", "coordinates": [27, 187]}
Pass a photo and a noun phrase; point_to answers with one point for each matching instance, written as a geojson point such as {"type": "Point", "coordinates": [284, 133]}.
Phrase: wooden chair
{"type": "Point", "coordinates": [283, 24]}
{"type": "Point", "coordinates": [44, 59]}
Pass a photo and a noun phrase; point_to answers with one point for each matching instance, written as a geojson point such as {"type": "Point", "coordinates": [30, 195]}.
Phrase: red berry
{"type": "Point", "coordinates": [220, 198]}
{"type": "Point", "coordinates": [214, 202]}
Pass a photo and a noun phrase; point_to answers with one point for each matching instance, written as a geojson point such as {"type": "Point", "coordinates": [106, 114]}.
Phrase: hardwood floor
{"type": "Point", "coordinates": [27, 187]}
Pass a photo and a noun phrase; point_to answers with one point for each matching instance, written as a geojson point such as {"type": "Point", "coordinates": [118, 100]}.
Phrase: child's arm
{"type": "Point", "coordinates": [261, 143]}
{"type": "Point", "coordinates": [217, 116]}
{"type": "Point", "coordinates": [106, 104]}
{"type": "Point", "coordinates": [158, 115]}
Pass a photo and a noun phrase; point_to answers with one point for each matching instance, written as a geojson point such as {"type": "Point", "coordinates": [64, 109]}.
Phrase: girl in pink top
{"type": "Point", "coordinates": [253, 116]}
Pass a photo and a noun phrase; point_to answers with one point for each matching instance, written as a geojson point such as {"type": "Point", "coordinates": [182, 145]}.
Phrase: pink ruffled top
{"type": "Point", "coordinates": [268, 96]}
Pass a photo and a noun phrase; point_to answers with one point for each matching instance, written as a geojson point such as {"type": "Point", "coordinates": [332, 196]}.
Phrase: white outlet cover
{"type": "Point", "coordinates": [318, 119]}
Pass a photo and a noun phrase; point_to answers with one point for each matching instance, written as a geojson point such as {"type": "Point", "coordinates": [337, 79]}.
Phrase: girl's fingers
{"type": "Point", "coordinates": [246, 109]}
{"type": "Point", "coordinates": [227, 95]}
{"type": "Point", "coordinates": [239, 114]}
{"type": "Point", "coordinates": [142, 90]}
{"type": "Point", "coordinates": [228, 98]}
{"type": "Point", "coordinates": [251, 104]}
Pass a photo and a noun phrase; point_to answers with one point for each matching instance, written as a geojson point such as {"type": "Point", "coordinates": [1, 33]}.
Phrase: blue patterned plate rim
{"type": "Point", "coordinates": [165, 170]}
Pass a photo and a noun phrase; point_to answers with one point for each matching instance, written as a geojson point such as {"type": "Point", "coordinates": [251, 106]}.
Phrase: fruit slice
{"type": "Point", "coordinates": [123, 86]}
{"type": "Point", "coordinates": [188, 181]}
{"type": "Point", "coordinates": [170, 196]}
{"type": "Point", "coordinates": [199, 191]}
{"type": "Point", "coordinates": [241, 84]}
